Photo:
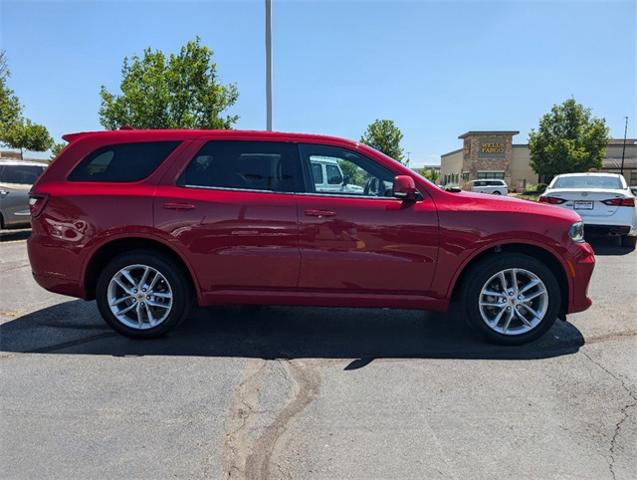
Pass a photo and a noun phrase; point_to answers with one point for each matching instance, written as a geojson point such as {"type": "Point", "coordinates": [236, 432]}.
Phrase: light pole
{"type": "Point", "coordinates": [268, 63]}
{"type": "Point", "coordinates": [624, 147]}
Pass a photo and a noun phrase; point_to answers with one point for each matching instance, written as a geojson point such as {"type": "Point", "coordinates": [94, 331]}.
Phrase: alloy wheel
{"type": "Point", "coordinates": [513, 301]}
{"type": "Point", "coordinates": [140, 297]}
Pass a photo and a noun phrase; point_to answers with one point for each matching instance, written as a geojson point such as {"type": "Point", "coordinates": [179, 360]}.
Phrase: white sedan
{"type": "Point", "coordinates": [603, 200]}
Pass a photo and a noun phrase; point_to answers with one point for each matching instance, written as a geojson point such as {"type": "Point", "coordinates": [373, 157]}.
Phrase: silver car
{"type": "Point", "coordinates": [16, 178]}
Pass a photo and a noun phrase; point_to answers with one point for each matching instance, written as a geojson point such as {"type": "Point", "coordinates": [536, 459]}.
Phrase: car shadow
{"type": "Point", "coordinates": [10, 235]}
{"type": "Point", "coordinates": [361, 335]}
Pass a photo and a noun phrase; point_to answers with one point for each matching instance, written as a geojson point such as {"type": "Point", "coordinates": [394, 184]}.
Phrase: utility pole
{"type": "Point", "coordinates": [268, 63]}
{"type": "Point", "coordinates": [624, 147]}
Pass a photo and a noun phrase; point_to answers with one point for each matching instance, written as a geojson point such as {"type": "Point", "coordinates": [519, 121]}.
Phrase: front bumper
{"type": "Point", "coordinates": [580, 266]}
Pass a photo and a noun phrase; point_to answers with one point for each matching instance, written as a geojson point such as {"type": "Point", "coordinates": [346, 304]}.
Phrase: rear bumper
{"type": "Point", "coordinates": [54, 268]}
{"type": "Point", "coordinates": [612, 230]}
{"type": "Point", "coordinates": [60, 285]}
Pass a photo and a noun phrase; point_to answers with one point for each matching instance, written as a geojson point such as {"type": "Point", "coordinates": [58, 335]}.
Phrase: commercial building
{"type": "Point", "coordinates": [492, 154]}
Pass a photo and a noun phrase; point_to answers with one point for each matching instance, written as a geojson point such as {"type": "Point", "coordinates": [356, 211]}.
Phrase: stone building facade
{"type": "Point", "coordinates": [492, 154]}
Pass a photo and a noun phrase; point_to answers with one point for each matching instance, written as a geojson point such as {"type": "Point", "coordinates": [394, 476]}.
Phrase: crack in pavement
{"type": "Point", "coordinates": [236, 440]}
{"type": "Point", "coordinates": [308, 382]}
{"type": "Point", "coordinates": [624, 412]}
{"type": "Point", "coordinates": [246, 458]}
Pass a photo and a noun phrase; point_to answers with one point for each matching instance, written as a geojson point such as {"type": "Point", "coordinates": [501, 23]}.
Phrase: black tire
{"type": "Point", "coordinates": [629, 242]}
{"type": "Point", "coordinates": [490, 266]}
{"type": "Point", "coordinates": [497, 192]}
{"type": "Point", "coordinates": [174, 274]}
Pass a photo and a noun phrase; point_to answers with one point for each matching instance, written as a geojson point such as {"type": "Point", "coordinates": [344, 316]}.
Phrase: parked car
{"type": "Point", "coordinates": [495, 187]}
{"type": "Point", "coordinates": [603, 200]}
{"type": "Point", "coordinates": [16, 178]}
{"type": "Point", "coordinates": [149, 223]}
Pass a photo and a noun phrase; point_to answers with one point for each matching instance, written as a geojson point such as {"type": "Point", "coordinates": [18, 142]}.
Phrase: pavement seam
{"type": "Point", "coordinates": [307, 379]}
{"type": "Point", "coordinates": [247, 395]}
{"type": "Point", "coordinates": [624, 412]}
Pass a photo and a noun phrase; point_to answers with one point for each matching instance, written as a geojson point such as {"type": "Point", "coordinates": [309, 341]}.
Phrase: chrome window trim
{"type": "Point", "coordinates": [368, 197]}
{"type": "Point", "coordinates": [231, 189]}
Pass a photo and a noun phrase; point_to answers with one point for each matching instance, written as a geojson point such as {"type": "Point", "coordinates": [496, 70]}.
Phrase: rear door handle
{"type": "Point", "coordinates": [3, 193]}
{"type": "Point", "coordinates": [178, 206]}
{"type": "Point", "coordinates": [314, 212]}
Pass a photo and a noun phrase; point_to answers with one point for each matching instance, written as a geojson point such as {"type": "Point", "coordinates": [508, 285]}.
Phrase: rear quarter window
{"type": "Point", "coordinates": [125, 162]}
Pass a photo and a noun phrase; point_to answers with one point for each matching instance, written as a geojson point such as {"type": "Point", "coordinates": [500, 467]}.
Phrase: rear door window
{"type": "Point", "coordinates": [317, 173]}
{"type": "Point", "coordinates": [20, 174]}
{"type": "Point", "coordinates": [125, 162]}
{"type": "Point", "coordinates": [245, 165]}
{"type": "Point", "coordinates": [334, 176]}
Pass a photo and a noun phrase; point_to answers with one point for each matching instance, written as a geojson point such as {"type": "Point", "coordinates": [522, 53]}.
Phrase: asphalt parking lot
{"type": "Point", "coordinates": [302, 393]}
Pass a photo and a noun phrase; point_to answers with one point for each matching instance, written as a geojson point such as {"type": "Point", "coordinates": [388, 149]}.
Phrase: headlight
{"type": "Point", "coordinates": [576, 232]}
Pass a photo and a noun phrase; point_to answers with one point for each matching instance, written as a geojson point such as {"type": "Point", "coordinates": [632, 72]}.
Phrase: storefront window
{"type": "Point", "coordinates": [491, 174]}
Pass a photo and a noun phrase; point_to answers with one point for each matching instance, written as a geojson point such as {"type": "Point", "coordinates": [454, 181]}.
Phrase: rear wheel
{"type": "Point", "coordinates": [628, 241]}
{"type": "Point", "coordinates": [511, 298]}
{"type": "Point", "coordinates": [497, 192]}
{"type": "Point", "coordinates": [143, 295]}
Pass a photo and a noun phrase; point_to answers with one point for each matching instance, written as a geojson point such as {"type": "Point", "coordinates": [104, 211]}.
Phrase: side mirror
{"type": "Point", "coordinates": [345, 180]}
{"type": "Point", "coordinates": [404, 187]}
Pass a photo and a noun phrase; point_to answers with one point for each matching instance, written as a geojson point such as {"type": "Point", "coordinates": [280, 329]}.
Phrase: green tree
{"type": "Point", "coordinates": [56, 148]}
{"type": "Point", "coordinates": [569, 139]}
{"type": "Point", "coordinates": [27, 135]}
{"type": "Point", "coordinates": [176, 91]}
{"type": "Point", "coordinates": [10, 109]}
{"type": "Point", "coordinates": [429, 173]}
{"type": "Point", "coordinates": [385, 136]}
{"type": "Point", "coordinates": [354, 174]}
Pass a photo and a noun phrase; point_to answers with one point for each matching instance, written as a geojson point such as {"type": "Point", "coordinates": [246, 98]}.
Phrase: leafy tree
{"type": "Point", "coordinates": [355, 175]}
{"type": "Point", "coordinates": [176, 91]}
{"type": "Point", "coordinates": [429, 173]}
{"type": "Point", "coordinates": [56, 149]}
{"type": "Point", "coordinates": [385, 136]}
{"type": "Point", "coordinates": [569, 139]}
{"type": "Point", "coordinates": [15, 130]}
{"type": "Point", "coordinates": [10, 109]}
{"type": "Point", "coordinates": [27, 135]}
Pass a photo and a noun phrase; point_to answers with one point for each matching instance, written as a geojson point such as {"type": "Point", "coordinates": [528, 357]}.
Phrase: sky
{"type": "Point", "coordinates": [437, 69]}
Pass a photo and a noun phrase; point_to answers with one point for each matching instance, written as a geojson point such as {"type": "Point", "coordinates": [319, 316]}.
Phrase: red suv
{"type": "Point", "coordinates": [151, 222]}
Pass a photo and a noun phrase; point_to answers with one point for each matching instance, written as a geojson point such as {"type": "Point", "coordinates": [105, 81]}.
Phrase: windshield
{"type": "Point", "coordinates": [587, 181]}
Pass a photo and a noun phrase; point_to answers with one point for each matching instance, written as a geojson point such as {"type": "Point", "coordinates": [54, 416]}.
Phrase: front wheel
{"type": "Point", "coordinates": [511, 299]}
{"type": "Point", "coordinates": [143, 294]}
{"type": "Point", "coordinates": [630, 242]}
{"type": "Point", "coordinates": [497, 192]}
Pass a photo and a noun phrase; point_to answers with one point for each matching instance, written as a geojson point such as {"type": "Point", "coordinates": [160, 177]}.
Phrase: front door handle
{"type": "Point", "coordinates": [315, 212]}
{"type": "Point", "coordinates": [178, 206]}
{"type": "Point", "coordinates": [3, 193]}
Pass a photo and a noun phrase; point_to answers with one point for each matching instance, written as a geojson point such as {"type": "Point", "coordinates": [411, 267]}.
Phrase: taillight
{"type": "Point", "coordinates": [552, 200]}
{"type": "Point", "coordinates": [37, 201]}
{"type": "Point", "coordinates": [620, 202]}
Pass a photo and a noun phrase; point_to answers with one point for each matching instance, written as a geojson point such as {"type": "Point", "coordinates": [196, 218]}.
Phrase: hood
{"type": "Point", "coordinates": [490, 203]}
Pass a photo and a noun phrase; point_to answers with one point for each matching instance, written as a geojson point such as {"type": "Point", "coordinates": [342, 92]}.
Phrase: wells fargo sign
{"type": "Point", "coordinates": [492, 148]}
